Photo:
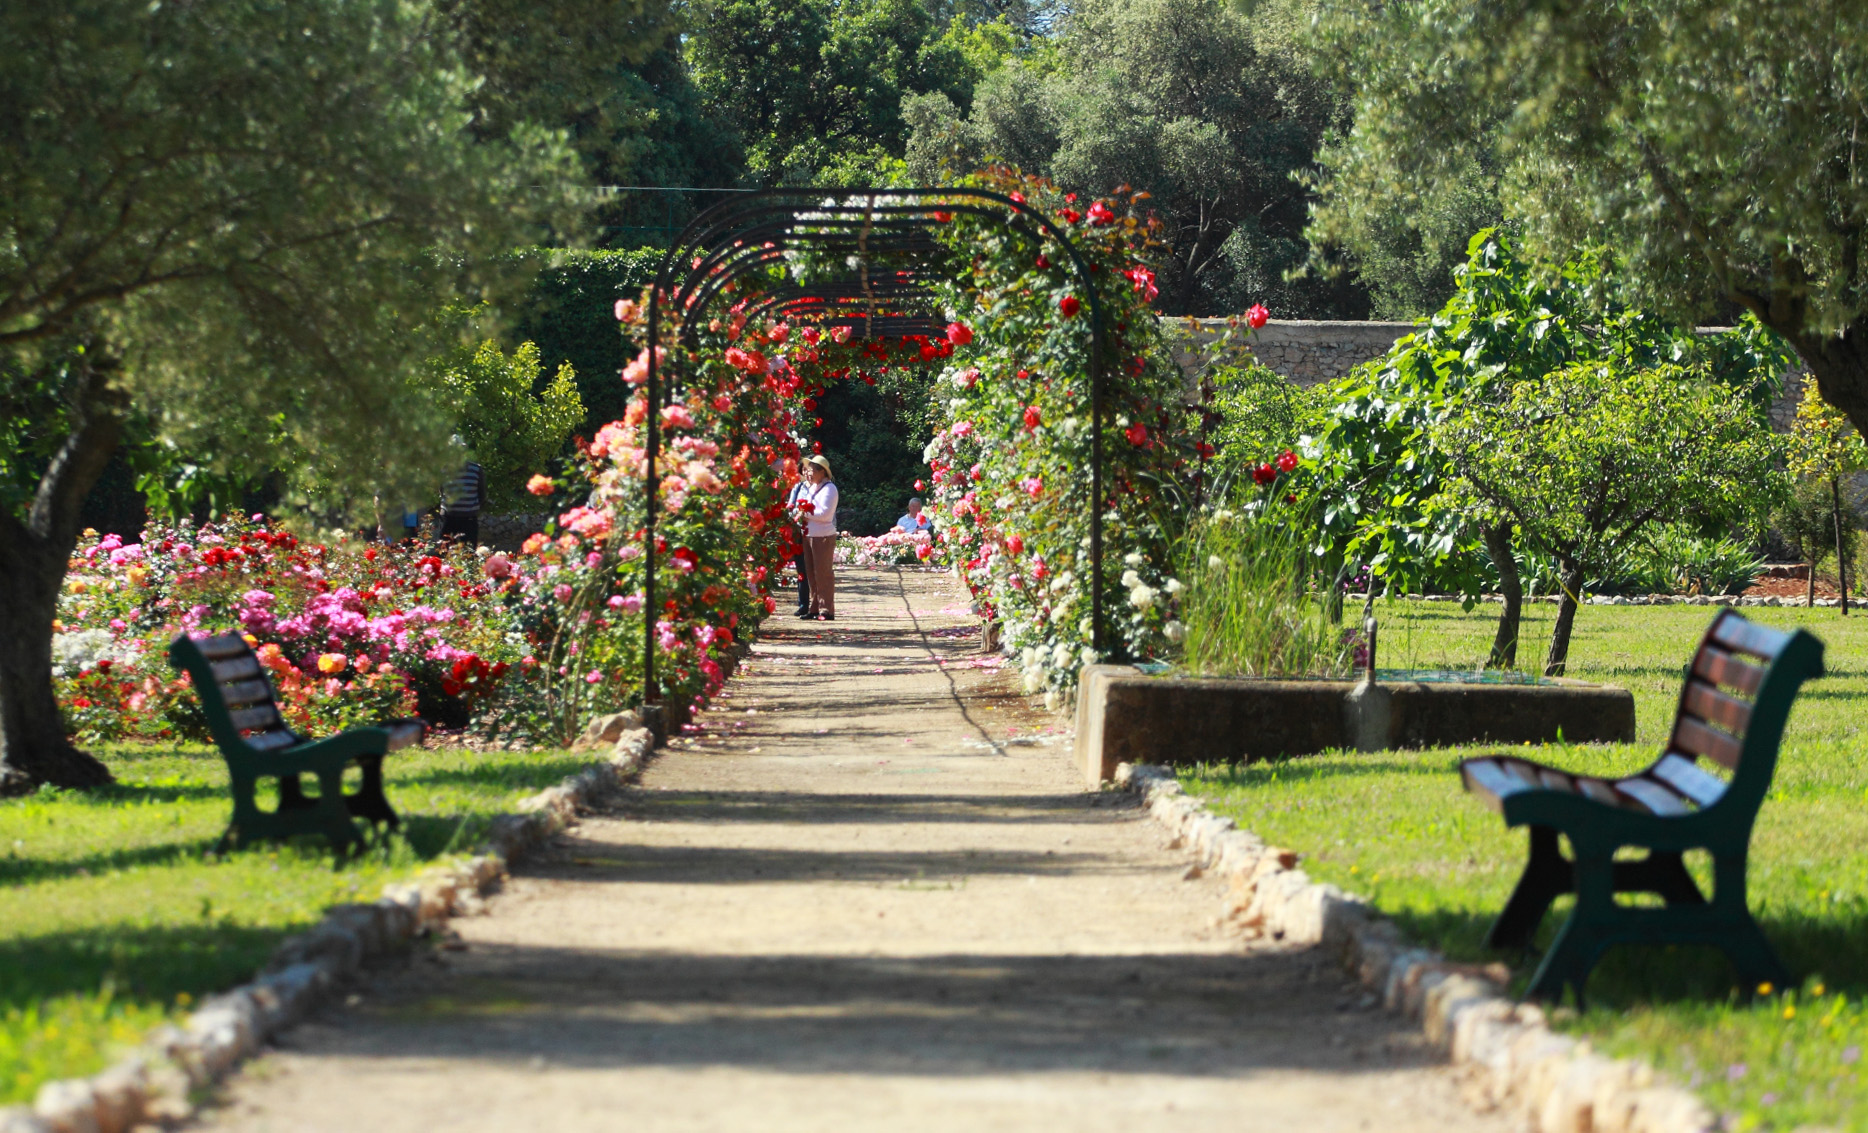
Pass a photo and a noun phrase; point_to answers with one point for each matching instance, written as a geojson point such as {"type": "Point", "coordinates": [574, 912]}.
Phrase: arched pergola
{"type": "Point", "coordinates": [884, 243]}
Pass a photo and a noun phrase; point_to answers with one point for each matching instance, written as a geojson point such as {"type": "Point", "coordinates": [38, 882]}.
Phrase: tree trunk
{"type": "Point", "coordinates": [33, 556]}
{"type": "Point", "coordinates": [1839, 363]}
{"type": "Point", "coordinates": [1570, 577]}
{"type": "Point", "coordinates": [1842, 554]}
{"type": "Point", "coordinates": [1505, 641]}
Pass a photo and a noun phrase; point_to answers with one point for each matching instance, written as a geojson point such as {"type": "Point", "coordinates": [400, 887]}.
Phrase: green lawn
{"type": "Point", "coordinates": [113, 918]}
{"type": "Point", "coordinates": [1396, 828]}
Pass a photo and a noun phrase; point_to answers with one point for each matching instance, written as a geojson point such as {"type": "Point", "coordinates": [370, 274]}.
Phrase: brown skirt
{"type": "Point", "coordinates": [821, 551]}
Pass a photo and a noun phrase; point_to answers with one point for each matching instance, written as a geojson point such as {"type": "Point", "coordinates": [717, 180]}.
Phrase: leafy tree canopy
{"type": "Point", "coordinates": [1713, 143]}
{"type": "Point", "coordinates": [814, 88]}
{"type": "Point", "coordinates": [1208, 109]}
{"type": "Point", "coordinates": [235, 223]}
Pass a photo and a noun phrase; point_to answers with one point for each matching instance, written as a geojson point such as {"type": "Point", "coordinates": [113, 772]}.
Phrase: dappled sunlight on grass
{"type": "Point", "coordinates": [1397, 828]}
{"type": "Point", "coordinates": [114, 915]}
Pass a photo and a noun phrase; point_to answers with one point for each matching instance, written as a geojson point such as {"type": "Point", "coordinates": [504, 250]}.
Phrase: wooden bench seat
{"type": "Point", "coordinates": [1703, 793]}
{"type": "Point", "coordinates": [243, 717]}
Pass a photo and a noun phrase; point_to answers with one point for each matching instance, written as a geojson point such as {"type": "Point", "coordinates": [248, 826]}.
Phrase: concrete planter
{"type": "Point", "coordinates": [1125, 716]}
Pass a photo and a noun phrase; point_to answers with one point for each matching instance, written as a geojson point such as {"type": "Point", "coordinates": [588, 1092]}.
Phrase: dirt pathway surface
{"type": "Point", "coordinates": [872, 894]}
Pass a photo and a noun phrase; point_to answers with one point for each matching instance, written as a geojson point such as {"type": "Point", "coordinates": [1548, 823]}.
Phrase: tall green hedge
{"type": "Point", "coordinates": [569, 311]}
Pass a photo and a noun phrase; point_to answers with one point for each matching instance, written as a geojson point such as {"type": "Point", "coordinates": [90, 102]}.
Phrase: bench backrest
{"type": "Point", "coordinates": [1738, 692]}
{"type": "Point", "coordinates": [235, 692]}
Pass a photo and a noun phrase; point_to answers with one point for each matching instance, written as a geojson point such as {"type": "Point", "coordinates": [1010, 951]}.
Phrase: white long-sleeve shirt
{"type": "Point", "coordinates": [823, 518]}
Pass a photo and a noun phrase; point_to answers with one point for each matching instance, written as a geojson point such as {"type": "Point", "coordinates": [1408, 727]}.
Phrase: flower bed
{"type": "Point", "coordinates": [891, 548]}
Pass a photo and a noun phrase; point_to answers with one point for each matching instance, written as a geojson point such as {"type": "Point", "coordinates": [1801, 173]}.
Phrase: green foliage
{"type": "Point", "coordinates": [570, 312]}
{"type": "Point", "coordinates": [813, 86]}
{"type": "Point", "coordinates": [1583, 459]}
{"type": "Point", "coordinates": [1442, 865]}
{"type": "Point", "coordinates": [1260, 413]}
{"type": "Point", "coordinates": [113, 918]}
{"type": "Point", "coordinates": [1210, 111]}
{"type": "Point", "coordinates": [1378, 472]}
{"type": "Point", "coordinates": [1248, 605]}
{"type": "Point", "coordinates": [1713, 143]}
{"type": "Point", "coordinates": [336, 135]}
{"type": "Point", "coordinates": [514, 423]}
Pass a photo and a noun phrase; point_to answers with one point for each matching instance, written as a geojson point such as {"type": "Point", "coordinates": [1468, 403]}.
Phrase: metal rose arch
{"type": "Point", "coordinates": [882, 248]}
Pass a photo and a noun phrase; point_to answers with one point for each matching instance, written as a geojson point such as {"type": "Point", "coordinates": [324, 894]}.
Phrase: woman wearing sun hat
{"type": "Point", "coordinates": [818, 505]}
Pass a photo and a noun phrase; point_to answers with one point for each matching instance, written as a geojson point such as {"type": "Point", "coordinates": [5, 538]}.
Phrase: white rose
{"type": "Point", "coordinates": [1174, 632]}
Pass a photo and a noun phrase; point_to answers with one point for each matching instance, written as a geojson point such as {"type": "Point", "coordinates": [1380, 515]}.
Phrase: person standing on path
{"type": "Point", "coordinates": [819, 505]}
{"type": "Point", "coordinates": [801, 491]}
{"type": "Point", "coordinates": [461, 503]}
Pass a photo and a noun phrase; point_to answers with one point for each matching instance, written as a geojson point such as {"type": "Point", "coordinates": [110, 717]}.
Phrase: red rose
{"type": "Point", "coordinates": [1264, 474]}
{"type": "Point", "coordinates": [1033, 418]}
{"type": "Point", "coordinates": [942, 217]}
{"type": "Point", "coordinates": [1044, 261]}
{"type": "Point", "coordinates": [1287, 461]}
{"type": "Point", "coordinates": [1015, 545]}
{"type": "Point", "coordinates": [959, 334]}
{"type": "Point", "coordinates": [1069, 306]}
{"type": "Point", "coordinates": [921, 486]}
{"type": "Point", "coordinates": [1101, 215]}
{"type": "Point", "coordinates": [1069, 216]}
{"type": "Point", "coordinates": [929, 353]}
{"type": "Point", "coordinates": [1137, 434]}
{"type": "Point", "coordinates": [1257, 316]}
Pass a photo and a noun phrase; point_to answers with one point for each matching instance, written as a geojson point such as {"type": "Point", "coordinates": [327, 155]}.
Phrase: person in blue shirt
{"type": "Point", "coordinates": [915, 521]}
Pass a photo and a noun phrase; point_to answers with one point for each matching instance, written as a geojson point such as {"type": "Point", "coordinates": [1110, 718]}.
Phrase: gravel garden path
{"type": "Point", "coordinates": [872, 894]}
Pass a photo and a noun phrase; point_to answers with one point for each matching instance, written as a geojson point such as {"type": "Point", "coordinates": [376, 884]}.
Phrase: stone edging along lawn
{"type": "Point", "coordinates": [1557, 1083]}
{"type": "Point", "coordinates": [153, 1084]}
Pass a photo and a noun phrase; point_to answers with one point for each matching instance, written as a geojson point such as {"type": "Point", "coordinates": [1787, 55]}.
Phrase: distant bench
{"type": "Point", "coordinates": [1737, 696]}
{"type": "Point", "coordinates": [243, 717]}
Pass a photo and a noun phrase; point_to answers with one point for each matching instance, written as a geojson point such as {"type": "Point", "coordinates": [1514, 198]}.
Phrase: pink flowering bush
{"type": "Point", "coordinates": [891, 548]}
{"type": "Point", "coordinates": [351, 632]}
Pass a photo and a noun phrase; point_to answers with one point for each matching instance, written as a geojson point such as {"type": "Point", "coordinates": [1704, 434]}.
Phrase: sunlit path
{"type": "Point", "coordinates": [868, 894]}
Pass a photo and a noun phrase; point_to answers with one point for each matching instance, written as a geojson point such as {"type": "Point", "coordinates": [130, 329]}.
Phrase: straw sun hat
{"type": "Point", "coordinates": [822, 463]}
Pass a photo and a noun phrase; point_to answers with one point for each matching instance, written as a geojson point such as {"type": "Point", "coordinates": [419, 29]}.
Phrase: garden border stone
{"type": "Point", "coordinates": [154, 1083]}
{"type": "Point", "coordinates": [1557, 1084]}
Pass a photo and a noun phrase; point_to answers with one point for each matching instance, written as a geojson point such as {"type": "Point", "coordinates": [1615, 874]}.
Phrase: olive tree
{"type": "Point", "coordinates": [231, 225]}
{"type": "Point", "coordinates": [1714, 144]}
{"type": "Point", "coordinates": [1584, 458]}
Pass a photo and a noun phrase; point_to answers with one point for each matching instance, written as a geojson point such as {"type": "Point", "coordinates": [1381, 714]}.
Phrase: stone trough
{"type": "Point", "coordinates": [1127, 716]}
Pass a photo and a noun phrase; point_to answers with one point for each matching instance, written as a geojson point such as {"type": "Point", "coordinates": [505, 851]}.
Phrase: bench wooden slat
{"type": "Point", "coordinates": [1492, 781]}
{"type": "Point", "coordinates": [1653, 796]}
{"type": "Point", "coordinates": [1555, 781]}
{"type": "Point", "coordinates": [1689, 778]}
{"type": "Point", "coordinates": [1695, 738]}
{"type": "Point", "coordinates": [272, 740]}
{"type": "Point", "coordinates": [1721, 668]}
{"type": "Point", "coordinates": [220, 648]}
{"type": "Point", "coordinates": [1710, 704]}
{"type": "Point", "coordinates": [1749, 637]}
{"type": "Point", "coordinates": [236, 668]}
{"type": "Point", "coordinates": [236, 693]}
{"type": "Point", "coordinates": [257, 718]}
{"type": "Point", "coordinates": [1600, 791]}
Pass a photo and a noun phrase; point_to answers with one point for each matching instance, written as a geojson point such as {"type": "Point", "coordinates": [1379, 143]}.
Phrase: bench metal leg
{"type": "Point", "coordinates": [1660, 873]}
{"type": "Point", "coordinates": [369, 803]}
{"type": "Point", "coordinates": [1547, 876]}
{"type": "Point", "coordinates": [1581, 941]}
{"type": "Point", "coordinates": [1742, 941]}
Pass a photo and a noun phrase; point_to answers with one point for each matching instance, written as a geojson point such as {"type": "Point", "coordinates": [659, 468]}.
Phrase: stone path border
{"type": "Point", "coordinates": [1558, 1084]}
{"type": "Point", "coordinates": [153, 1084]}
{"type": "Point", "coordinates": [1772, 600]}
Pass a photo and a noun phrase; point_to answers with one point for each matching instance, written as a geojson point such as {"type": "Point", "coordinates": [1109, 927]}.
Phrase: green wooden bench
{"type": "Point", "coordinates": [1703, 793]}
{"type": "Point", "coordinates": [244, 720]}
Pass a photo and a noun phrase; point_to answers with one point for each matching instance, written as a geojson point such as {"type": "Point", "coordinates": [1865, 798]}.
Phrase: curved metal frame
{"type": "Point", "coordinates": [745, 234]}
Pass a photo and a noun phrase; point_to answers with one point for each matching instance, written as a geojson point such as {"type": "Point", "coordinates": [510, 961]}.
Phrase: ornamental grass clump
{"type": "Point", "coordinates": [1248, 608]}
